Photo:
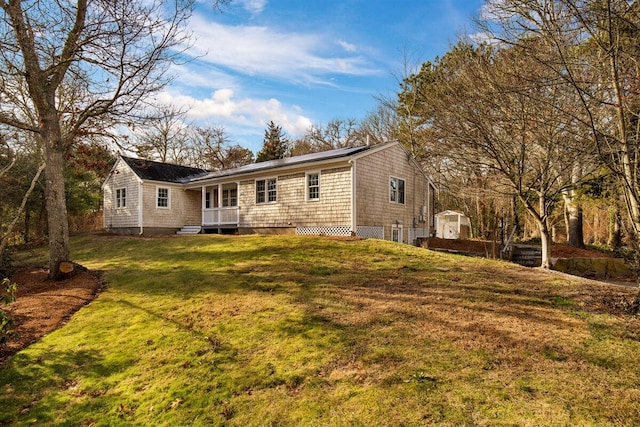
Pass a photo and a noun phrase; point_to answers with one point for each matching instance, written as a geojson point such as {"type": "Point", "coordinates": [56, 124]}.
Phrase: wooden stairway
{"type": "Point", "coordinates": [528, 256]}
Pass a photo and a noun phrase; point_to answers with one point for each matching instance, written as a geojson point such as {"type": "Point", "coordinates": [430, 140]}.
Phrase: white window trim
{"type": "Point", "coordinates": [405, 190]}
{"type": "Point", "coordinates": [118, 201]}
{"type": "Point", "coordinates": [306, 185]}
{"type": "Point", "coordinates": [266, 191]}
{"type": "Point", "coordinates": [168, 197]}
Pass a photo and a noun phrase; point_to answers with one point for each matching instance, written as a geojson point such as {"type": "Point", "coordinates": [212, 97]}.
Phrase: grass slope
{"type": "Point", "coordinates": [247, 331]}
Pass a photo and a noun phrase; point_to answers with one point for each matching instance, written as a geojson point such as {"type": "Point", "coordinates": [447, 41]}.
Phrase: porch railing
{"type": "Point", "coordinates": [221, 216]}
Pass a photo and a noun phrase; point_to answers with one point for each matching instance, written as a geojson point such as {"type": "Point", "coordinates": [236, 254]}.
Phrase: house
{"type": "Point", "coordinates": [452, 225]}
{"type": "Point", "coordinates": [371, 191]}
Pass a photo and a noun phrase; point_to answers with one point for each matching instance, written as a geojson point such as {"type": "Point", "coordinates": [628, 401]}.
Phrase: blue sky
{"type": "Point", "coordinates": [303, 62]}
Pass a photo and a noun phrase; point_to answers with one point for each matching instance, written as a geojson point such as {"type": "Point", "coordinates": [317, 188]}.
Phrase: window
{"type": "Point", "coordinates": [313, 186]}
{"type": "Point", "coordinates": [163, 197]}
{"type": "Point", "coordinates": [260, 191]}
{"type": "Point", "coordinates": [207, 200]}
{"type": "Point", "coordinates": [272, 190]}
{"type": "Point", "coordinates": [230, 197]}
{"type": "Point", "coordinates": [396, 190]}
{"type": "Point", "coordinates": [121, 198]}
{"type": "Point", "coordinates": [266, 190]}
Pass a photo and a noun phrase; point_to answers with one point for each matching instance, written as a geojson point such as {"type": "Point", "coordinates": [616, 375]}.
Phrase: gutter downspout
{"type": "Point", "coordinates": [429, 220]}
{"type": "Point", "coordinates": [431, 209]}
{"type": "Point", "coordinates": [354, 230]}
{"type": "Point", "coordinates": [104, 204]}
{"type": "Point", "coordinates": [140, 207]}
{"type": "Point", "coordinates": [414, 222]}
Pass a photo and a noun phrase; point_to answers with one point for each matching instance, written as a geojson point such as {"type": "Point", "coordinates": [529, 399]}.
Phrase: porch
{"type": "Point", "coordinates": [220, 205]}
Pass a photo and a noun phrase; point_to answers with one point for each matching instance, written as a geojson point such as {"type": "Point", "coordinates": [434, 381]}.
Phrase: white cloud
{"type": "Point", "coordinates": [194, 75]}
{"type": "Point", "coordinates": [347, 46]}
{"type": "Point", "coordinates": [223, 108]}
{"type": "Point", "coordinates": [495, 10]}
{"type": "Point", "coordinates": [259, 50]}
{"type": "Point", "coordinates": [254, 7]}
{"type": "Point", "coordinates": [483, 38]}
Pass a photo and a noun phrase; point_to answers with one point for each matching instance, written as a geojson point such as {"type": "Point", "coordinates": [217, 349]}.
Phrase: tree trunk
{"type": "Point", "coordinates": [615, 228]}
{"type": "Point", "coordinates": [543, 227]}
{"type": "Point", "coordinates": [576, 236]}
{"type": "Point", "coordinates": [545, 241]}
{"type": "Point", "coordinates": [573, 209]}
{"type": "Point", "coordinates": [540, 218]}
{"type": "Point", "coordinates": [626, 147]}
{"type": "Point", "coordinates": [480, 211]}
{"type": "Point", "coordinates": [57, 219]}
{"type": "Point", "coordinates": [27, 220]}
{"type": "Point", "coordinates": [516, 217]}
{"type": "Point", "coordinates": [4, 239]}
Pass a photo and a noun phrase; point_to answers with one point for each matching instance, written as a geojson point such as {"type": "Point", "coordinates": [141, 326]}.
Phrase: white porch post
{"type": "Point", "coordinates": [140, 207]}
{"type": "Point", "coordinates": [203, 203]}
{"type": "Point", "coordinates": [237, 203]}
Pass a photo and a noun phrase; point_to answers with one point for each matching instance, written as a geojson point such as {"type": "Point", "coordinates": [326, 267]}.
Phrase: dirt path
{"type": "Point", "coordinates": [558, 250]}
{"type": "Point", "coordinates": [43, 305]}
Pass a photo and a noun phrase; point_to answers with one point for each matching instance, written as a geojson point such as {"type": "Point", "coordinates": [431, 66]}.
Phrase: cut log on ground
{"type": "Point", "coordinates": [69, 268]}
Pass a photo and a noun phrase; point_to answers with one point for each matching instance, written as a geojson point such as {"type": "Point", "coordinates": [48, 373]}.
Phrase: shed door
{"type": "Point", "coordinates": [450, 231]}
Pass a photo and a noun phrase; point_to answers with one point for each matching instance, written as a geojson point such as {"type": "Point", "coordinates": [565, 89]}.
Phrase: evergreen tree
{"type": "Point", "coordinates": [275, 144]}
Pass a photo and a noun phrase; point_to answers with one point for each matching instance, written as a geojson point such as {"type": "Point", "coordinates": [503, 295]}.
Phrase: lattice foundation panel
{"type": "Point", "coordinates": [324, 231]}
{"type": "Point", "coordinates": [369, 232]}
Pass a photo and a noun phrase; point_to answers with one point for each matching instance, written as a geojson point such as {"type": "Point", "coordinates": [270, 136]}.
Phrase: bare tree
{"type": "Point", "coordinates": [594, 49]}
{"type": "Point", "coordinates": [166, 136]}
{"type": "Point", "coordinates": [338, 133]}
{"type": "Point", "coordinates": [116, 53]}
{"type": "Point", "coordinates": [16, 153]}
{"type": "Point", "coordinates": [6, 233]}
{"type": "Point", "coordinates": [211, 149]}
{"type": "Point", "coordinates": [381, 124]}
{"type": "Point", "coordinates": [7, 158]}
{"type": "Point", "coordinates": [486, 114]}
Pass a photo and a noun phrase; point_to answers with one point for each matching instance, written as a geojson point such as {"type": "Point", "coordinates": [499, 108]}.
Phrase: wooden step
{"type": "Point", "coordinates": [528, 256]}
{"type": "Point", "coordinates": [190, 230]}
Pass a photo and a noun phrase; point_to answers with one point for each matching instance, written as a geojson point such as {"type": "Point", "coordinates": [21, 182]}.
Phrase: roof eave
{"type": "Point", "coordinates": [276, 169]}
{"type": "Point", "coordinates": [267, 171]}
{"type": "Point", "coordinates": [114, 167]}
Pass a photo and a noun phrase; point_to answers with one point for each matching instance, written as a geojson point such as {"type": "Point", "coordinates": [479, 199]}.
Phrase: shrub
{"type": "Point", "coordinates": [6, 321]}
{"type": "Point", "coordinates": [5, 262]}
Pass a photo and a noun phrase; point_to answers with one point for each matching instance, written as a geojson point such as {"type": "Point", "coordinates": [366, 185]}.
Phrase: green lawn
{"type": "Point", "coordinates": [302, 331]}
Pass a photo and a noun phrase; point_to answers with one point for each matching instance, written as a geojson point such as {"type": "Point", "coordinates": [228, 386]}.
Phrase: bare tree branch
{"type": "Point", "coordinates": [5, 238]}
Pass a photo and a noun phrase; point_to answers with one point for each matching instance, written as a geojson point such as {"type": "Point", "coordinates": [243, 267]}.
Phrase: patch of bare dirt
{"type": "Point", "coordinates": [561, 250]}
{"type": "Point", "coordinates": [43, 305]}
{"type": "Point", "coordinates": [617, 304]}
{"type": "Point", "coordinates": [483, 247]}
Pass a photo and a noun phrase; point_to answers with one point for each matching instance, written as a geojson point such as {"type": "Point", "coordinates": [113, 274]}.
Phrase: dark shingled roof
{"type": "Point", "coordinates": [165, 172]}
{"type": "Point", "coordinates": [288, 161]}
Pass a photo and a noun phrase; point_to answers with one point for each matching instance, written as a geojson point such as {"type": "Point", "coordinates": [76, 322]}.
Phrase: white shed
{"type": "Point", "coordinates": [452, 225]}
